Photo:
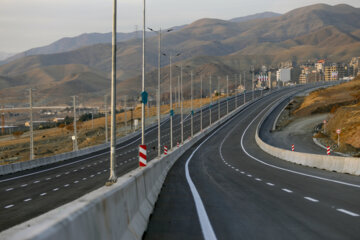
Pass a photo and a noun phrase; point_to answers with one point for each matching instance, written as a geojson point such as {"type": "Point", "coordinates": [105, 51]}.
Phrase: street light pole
{"type": "Point", "coordinates": [106, 119]}
{"type": "Point", "coordinates": [31, 126]}
{"type": "Point", "coordinates": [158, 96]}
{"type": "Point", "coordinates": [112, 179]}
{"type": "Point", "coordinates": [192, 112]}
{"type": "Point", "coordinates": [227, 97]}
{"type": "Point", "coordinates": [219, 94]}
{"type": "Point", "coordinates": [201, 112]}
{"type": "Point", "coordinates": [210, 100]}
{"type": "Point", "coordinates": [171, 108]}
{"type": "Point", "coordinates": [253, 93]}
{"type": "Point", "coordinates": [143, 79]}
{"type": "Point", "coordinates": [181, 103]}
{"type": "Point", "coordinates": [244, 88]}
{"type": "Point", "coordinates": [74, 124]}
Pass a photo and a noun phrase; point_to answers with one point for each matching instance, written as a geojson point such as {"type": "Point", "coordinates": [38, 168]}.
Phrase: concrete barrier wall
{"type": "Point", "coordinates": [20, 166]}
{"type": "Point", "coordinates": [121, 211]}
{"type": "Point", "coordinates": [339, 164]}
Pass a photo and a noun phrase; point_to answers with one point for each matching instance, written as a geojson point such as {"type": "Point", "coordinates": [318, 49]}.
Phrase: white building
{"type": "Point", "coordinates": [283, 74]}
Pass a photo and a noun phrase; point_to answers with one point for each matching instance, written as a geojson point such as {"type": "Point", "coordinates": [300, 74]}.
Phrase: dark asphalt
{"type": "Point", "coordinates": [249, 194]}
{"type": "Point", "coordinates": [27, 194]}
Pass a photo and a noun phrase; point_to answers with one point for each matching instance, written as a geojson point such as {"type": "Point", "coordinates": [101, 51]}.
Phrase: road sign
{"type": "Point", "coordinates": [171, 112]}
{"type": "Point", "coordinates": [192, 113]}
{"type": "Point", "coordinates": [144, 97]}
{"type": "Point", "coordinates": [142, 156]}
{"type": "Point", "coordinates": [338, 131]}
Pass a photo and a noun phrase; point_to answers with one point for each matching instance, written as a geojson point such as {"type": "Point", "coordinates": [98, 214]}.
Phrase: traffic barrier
{"type": "Point", "coordinates": [165, 150]}
{"type": "Point", "coordinates": [328, 150]}
{"type": "Point", "coordinates": [117, 212]}
{"type": "Point", "coordinates": [293, 147]}
{"type": "Point", "coordinates": [142, 156]}
{"type": "Point", "coordinates": [177, 144]}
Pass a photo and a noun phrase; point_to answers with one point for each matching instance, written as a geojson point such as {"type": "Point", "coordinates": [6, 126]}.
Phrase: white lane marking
{"type": "Point", "coordinates": [286, 190]}
{"type": "Point", "coordinates": [98, 172]}
{"type": "Point", "coordinates": [58, 175]}
{"type": "Point", "coordinates": [311, 199]}
{"type": "Point", "coordinates": [258, 179]}
{"type": "Point", "coordinates": [347, 212]}
{"type": "Point", "coordinates": [242, 172]}
{"type": "Point", "coordinates": [9, 206]}
{"type": "Point", "coordinates": [55, 189]}
{"type": "Point", "coordinates": [285, 169]}
{"type": "Point", "coordinates": [43, 194]}
{"type": "Point", "coordinates": [92, 175]}
{"type": "Point", "coordinates": [9, 189]}
{"type": "Point", "coordinates": [66, 185]}
{"type": "Point", "coordinates": [270, 184]}
{"type": "Point", "coordinates": [82, 168]}
{"type": "Point", "coordinates": [105, 170]}
{"type": "Point", "coordinates": [24, 185]}
{"type": "Point", "coordinates": [28, 199]}
{"type": "Point", "coordinates": [76, 181]}
{"type": "Point", "coordinates": [84, 178]}
{"type": "Point", "coordinates": [67, 173]}
{"type": "Point", "coordinates": [37, 181]}
{"type": "Point", "coordinates": [75, 170]}
{"type": "Point", "coordinates": [48, 178]}
{"type": "Point", "coordinates": [249, 175]}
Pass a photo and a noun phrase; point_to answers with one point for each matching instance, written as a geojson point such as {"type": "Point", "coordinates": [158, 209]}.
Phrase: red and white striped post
{"type": "Point", "coordinates": [293, 147]}
{"type": "Point", "coordinates": [178, 145]}
{"type": "Point", "coordinates": [165, 150]}
{"type": "Point", "coordinates": [328, 150]}
{"type": "Point", "coordinates": [142, 156]}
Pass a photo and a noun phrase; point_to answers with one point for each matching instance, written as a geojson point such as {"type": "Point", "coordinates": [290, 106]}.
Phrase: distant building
{"type": "Point", "coordinates": [319, 66]}
{"type": "Point", "coordinates": [334, 72]}
{"type": "Point", "coordinates": [355, 64]}
{"type": "Point", "coordinates": [283, 74]}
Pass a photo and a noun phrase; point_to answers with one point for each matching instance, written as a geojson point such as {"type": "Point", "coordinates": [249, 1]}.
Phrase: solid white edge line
{"type": "Point", "coordinates": [348, 212]}
{"type": "Point", "coordinates": [285, 169]}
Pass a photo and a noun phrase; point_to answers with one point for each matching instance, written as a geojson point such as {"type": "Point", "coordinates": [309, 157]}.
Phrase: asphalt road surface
{"type": "Point", "coordinates": [27, 194]}
{"type": "Point", "coordinates": [226, 187]}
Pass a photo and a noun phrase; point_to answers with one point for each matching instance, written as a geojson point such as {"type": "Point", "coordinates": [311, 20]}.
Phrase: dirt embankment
{"type": "Point", "coordinates": [342, 103]}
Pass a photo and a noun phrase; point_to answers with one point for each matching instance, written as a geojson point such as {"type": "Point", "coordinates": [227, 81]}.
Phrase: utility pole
{"type": "Point", "coordinates": [158, 95]}
{"type": "Point", "coordinates": [269, 78]}
{"type": "Point", "coordinates": [92, 119]}
{"type": "Point", "coordinates": [106, 119]}
{"type": "Point", "coordinates": [201, 112]}
{"type": "Point", "coordinates": [112, 178]}
{"type": "Point", "coordinates": [192, 112]}
{"type": "Point", "coordinates": [74, 124]}
{"type": "Point", "coordinates": [125, 113]}
{"type": "Point", "coordinates": [171, 107]}
{"type": "Point", "coordinates": [143, 80]}
{"type": "Point", "coordinates": [181, 103]}
{"type": "Point", "coordinates": [210, 100]}
{"type": "Point", "coordinates": [253, 79]}
{"type": "Point", "coordinates": [218, 102]}
{"type": "Point", "coordinates": [31, 126]}
{"type": "Point", "coordinates": [227, 93]}
{"type": "Point", "coordinates": [244, 88]}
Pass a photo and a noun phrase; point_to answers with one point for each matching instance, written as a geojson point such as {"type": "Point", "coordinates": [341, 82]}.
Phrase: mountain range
{"type": "Point", "coordinates": [208, 45]}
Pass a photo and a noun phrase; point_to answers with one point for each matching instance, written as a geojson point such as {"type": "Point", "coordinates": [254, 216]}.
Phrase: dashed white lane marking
{"type": "Point", "coordinates": [258, 179]}
{"type": "Point", "coordinates": [249, 175]}
{"type": "Point", "coordinates": [48, 178]}
{"type": "Point", "coordinates": [55, 189]}
{"type": "Point", "coordinates": [311, 199]}
{"type": "Point", "coordinates": [37, 181]}
{"type": "Point", "coordinates": [105, 170]}
{"type": "Point", "coordinates": [98, 172]}
{"type": "Point", "coordinates": [92, 176]}
{"type": "Point", "coordinates": [67, 173]}
{"type": "Point", "coordinates": [242, 172]}
{"type": "Point", "coordinates": [76, 181]}
{"type": "Point", "coordinates": [347, 212]}
{"type": "Point", "coordinates": [270, 184]}
{"type": "Point", "coordinates": [24, 185]}
{"type": "Point", "coordinates": [58, 175]}
{"type": "Point", "coordinates": [9, 206]}
{"type": "Point", "coordinates": [9, 189]}
{"type": "Point", "coordinates": [82, 168]}
{"type": "Point", "coordinates": [66, 185]}
{"type": "Point", "coordinates": [286, 190]}
{"type": "Point", "coordinates": [43, 194]}
{"type": "Point", "coordinates": [75, 170]}
{"type": "Point", "coordinates": [84, 178]}
{"type": "Point", "coordinates": [27, 200]}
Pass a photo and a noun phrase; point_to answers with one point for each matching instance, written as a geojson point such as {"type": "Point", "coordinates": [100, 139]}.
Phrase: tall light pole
{"type": "Point", "coordinates": [181, 103]}
{"type": "Point", "coordinates": [244, 88]}
{"type": "Point", "coordinates": [201, 110]}
{"type": "Point", "coordinates": [75, 148]}
{"type": "Point", "coordinates": [125, 113]}
{"type": "Point", "coordinates": [159, 89]}
{"type": "Point", "coordinates": [192, 112]}
{"type": "Point", "coordinates": [210, 100]}
{"type": "Point", "coordinates": [31, 125]}
{"type": "Point", "coordinates": [112, 179]}
{"type": "Point", "coordinates": [253, 76]}
{"type": "Point", "coordinates": [219, 92]}
{"type": "Point", "coordinates": [106, 119]}
{"type": "Point", "coordinates": [227, 93]}
{"type": "Point", "coordinates": [144, 95]}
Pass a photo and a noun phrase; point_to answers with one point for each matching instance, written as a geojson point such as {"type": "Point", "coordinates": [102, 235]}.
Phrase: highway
{"type": "Point", "coordinates": [33, 192]}
{"type": "Point", "coordinates": [226, 187]}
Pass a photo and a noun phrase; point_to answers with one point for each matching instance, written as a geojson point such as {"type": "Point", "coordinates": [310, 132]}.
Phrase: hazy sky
{"type": "Point", "coordinates": [25, 24]}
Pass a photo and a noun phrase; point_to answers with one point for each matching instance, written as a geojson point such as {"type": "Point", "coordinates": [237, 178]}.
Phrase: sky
{"type": "Point", "coordinates": [26, 24]}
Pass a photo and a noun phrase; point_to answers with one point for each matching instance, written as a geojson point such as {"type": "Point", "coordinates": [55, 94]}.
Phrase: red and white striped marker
{"type": "Point", "coordinates": [293, 147]}
{"type": "Point", "coordinates": [165, 150]}
{"type": "Point", "coordinates": [328, 150]}
{"type": "Point", "coordinates": [142, 156]}
{"type": "Point", "coordinates": [178, 144]}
